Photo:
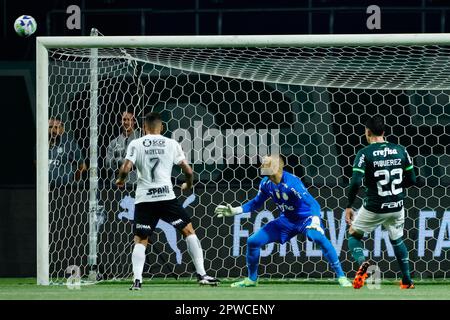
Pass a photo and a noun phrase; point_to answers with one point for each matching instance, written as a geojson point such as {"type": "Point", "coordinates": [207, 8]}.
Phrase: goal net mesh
{"type": "Point", "coordinates": [227, 107]}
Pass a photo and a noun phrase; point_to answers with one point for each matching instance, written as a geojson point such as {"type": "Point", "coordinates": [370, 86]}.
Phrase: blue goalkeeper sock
{"type": "Point", "coordinates": [356, 248]}
{"type": "Point", "coordinates": [254, 244]}
{"type": "Point", "coordinates": [401, 253]}
{"type": "Point", "coordinates": [327, 249]}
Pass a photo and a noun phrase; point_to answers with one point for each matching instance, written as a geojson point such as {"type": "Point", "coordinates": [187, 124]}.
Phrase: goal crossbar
{"type": "Point", "coordinates": [246, 41]}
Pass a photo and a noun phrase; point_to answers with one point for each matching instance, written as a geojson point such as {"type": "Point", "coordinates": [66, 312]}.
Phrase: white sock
{"type": "Point", "coordinates": [138, 261]}
{"type": "Point", "coordinates": [195, 251]}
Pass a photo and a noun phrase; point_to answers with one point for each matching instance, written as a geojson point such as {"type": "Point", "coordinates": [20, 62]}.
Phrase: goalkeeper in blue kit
{"type": "Point", "coordinates": [300, 214]}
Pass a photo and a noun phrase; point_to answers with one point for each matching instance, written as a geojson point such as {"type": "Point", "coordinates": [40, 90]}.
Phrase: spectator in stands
{"type": "Point", "coordinates": [117, 148]}
{"type": "Point", "coordinates": [65, 159]}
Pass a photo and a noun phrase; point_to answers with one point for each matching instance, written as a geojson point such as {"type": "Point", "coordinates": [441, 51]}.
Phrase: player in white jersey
{"type": "Point", "coordinates": [154, 156]}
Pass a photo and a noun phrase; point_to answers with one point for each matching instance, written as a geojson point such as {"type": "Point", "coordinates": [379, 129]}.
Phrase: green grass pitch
{"type": "Point", "coordinates": [26, 289]}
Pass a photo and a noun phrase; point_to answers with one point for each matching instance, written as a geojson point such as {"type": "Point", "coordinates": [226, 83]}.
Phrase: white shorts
{"type": "Point", "coordinates": [366, 221]}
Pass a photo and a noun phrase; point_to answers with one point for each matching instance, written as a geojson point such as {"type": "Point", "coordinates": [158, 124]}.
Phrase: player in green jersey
{"type": "Point", "coordinates": [387, 170]}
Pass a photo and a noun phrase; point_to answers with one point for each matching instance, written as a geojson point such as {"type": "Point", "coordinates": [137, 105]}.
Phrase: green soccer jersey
{"type": "Point", "coordinates": [383, 165]}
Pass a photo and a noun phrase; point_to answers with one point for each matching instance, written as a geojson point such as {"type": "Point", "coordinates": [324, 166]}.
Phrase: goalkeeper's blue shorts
{"type": "Point", "coordinates": [282, 229]}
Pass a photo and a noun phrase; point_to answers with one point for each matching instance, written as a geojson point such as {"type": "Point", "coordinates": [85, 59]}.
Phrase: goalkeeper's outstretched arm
{"type": "Point", "coordinates": [255, 203]}
{"type": "Point", "coordinates": [311, 202]}
{"type": "Point", "coordinates": [250, 206]}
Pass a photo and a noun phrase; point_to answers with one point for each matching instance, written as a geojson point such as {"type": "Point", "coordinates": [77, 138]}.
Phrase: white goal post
{"type": "Point", "coordinates": [304, 87]}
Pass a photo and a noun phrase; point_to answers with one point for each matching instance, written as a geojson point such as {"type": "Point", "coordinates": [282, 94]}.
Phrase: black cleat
{"type": "Point", "coordinates": [206, 280]}
{"type": "Point", "coordinates": [136, 285]}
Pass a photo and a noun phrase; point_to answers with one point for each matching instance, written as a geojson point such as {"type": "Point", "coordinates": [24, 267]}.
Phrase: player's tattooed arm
{"type": "Point", "coordinates": [355, 184]}
{"type": "Point", "coordinates": [123, 173]}
{"type": "Point", "coordinates": [188, 173]}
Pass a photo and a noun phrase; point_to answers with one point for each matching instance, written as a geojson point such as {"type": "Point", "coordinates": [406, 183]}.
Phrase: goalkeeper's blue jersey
{"type": "Point", "coordinates": [290, 196]}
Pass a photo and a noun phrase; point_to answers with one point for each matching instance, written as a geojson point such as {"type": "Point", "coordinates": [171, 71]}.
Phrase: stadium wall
{"type": "Point", "coordinates": [18, 233]}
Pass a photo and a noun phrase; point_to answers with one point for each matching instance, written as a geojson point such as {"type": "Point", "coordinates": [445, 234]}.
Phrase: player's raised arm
{"type": "Point", "coordinates": [355, 183]}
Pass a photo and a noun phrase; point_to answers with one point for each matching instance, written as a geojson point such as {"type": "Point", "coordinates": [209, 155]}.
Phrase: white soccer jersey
{"type": "Point", "coordinates": [154, 156]}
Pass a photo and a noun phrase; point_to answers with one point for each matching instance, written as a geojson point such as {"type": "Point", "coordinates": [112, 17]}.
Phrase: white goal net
{"type": "Point", "coordinates": [228, 101]}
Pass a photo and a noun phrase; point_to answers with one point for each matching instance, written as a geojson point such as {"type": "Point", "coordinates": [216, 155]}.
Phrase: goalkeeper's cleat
{"type": "Point", "coordinates": [407, 286]}
{"type": "Point", "coordinates": [344, 282]}
{"type": "Point", "coordinates": [136, 285]}
{"type": "Point", "coordinates": [244, 283]}
{"type": "Point", "coordinates": [206, 280]}
{"type": "Point", "coordinates": [361, 276]}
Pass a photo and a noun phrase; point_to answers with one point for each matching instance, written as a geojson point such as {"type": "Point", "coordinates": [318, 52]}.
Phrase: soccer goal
{"type": "Point", "coordinates": [229, 100]}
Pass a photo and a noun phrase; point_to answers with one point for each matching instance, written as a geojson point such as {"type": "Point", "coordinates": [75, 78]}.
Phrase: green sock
{"type": "Point", "coordinates": [401, 253]}
{"type": "Point", "coordinates": [356, 248]}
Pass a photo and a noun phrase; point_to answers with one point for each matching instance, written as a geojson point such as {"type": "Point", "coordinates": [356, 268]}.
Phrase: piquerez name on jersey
{"type": "Point", "coordinates": [154, 156]}
{"type": "Point", "coordinates": [383, 165]}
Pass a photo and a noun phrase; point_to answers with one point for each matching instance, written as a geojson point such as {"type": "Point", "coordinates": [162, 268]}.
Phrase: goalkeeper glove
{"type": "Point", "coordinates": [227, 211]}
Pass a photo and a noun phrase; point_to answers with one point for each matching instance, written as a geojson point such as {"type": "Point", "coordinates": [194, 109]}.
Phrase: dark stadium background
{"type": "Point", "coordinates": [182, 17]}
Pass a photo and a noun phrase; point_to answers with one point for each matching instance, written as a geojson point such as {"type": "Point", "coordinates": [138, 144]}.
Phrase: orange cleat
{"type": "Point", "coordinates": [361, 276]}
{"type": "Point", "coordinates": [407, 286]}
